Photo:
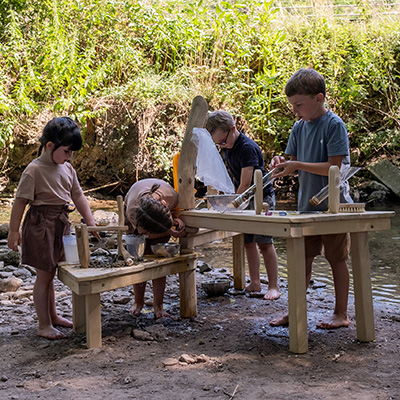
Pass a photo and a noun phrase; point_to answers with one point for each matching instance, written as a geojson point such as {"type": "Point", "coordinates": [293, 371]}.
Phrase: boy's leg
{"type": "Point", "coordinates": [336, 252]}
{"type": "Point", "coordinates": [341, 282]}
{"type": "Point", "coordinates": [284, 320]}
{"type": "Point", "coordinates": [138, 291]}
{"type": "Point", "coordinates": [253, 260]}
{"type": "Point", "coordinates": [158, 297]}
{"type": "Point", "coordinates": [41, 297]}
{"type": "Point", "coordinates": [271, 265]}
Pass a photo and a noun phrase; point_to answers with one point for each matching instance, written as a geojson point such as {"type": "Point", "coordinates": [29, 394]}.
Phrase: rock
{"type": "Point", "coordinates": [20, 294]}
{"type": "Point", "coordinates": [10, 257]}
{"type": "Point", "coordinates": [203, 267]}
{"type": "Point", "coordinates": [202, 358]}
{"type": "Point", "coordinates": [22, 273]}
{"type": "Point", "coordinates": [4, 228]}
{"type": "Point", "coordinates": [388, 174]}
{"type": "Point", "coordinates": [104, 218]}
{"type": "Point", "coordinates": [142, 335]}
{"type": "Point", "coordinates": [185, 358]}
{"type": "Point", "coordinates": [169, 362]}
{"type": "Point", "coordinates": [118, 299]}
{"type": "Point", "coordinates": [10, 284]}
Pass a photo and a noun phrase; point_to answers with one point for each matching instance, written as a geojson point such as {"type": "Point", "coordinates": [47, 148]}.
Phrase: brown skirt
{"type": "Point", "coordinates": [42, 232]}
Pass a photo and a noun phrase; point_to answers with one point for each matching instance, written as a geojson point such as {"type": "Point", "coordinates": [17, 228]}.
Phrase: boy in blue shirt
{"type": "Point", "coordinates": [317, 141]}
{"type": "Point", "coordinates": [243, 156]}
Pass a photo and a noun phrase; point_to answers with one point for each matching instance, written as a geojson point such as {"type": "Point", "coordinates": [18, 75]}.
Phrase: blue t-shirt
{"type": "Point", "coordinates": [315, 141]}
{"type": "Point", "coordinates": [245, 153]}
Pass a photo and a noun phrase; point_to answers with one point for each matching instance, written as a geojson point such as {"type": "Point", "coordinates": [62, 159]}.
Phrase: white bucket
{"type": "Point", "coordinates": [70, 249]}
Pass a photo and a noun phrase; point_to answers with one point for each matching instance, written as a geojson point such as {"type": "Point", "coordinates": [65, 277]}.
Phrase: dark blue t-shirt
{"type": "Point", "coordinates": [245, 153]}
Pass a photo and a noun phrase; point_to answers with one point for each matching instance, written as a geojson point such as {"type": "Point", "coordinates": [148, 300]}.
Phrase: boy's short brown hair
{"type": "Point", "coordinates": [306, 81]}
{"type": "Point", "coordinates": [219, 120]}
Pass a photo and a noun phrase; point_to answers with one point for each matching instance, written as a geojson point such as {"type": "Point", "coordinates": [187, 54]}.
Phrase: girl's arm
{"type": "Point", "coordinates": [82, 206]}
{"type": "Point", "coordinates": [14, 238]}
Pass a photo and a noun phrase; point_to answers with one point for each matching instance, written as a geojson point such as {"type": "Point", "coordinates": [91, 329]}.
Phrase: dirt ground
{"type": "Point", "coordinates": [231, 351]}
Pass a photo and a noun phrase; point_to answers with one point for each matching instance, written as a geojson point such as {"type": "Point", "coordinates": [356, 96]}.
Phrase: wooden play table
{"type": "Point", "coordinates": [294, 227]}
{"type": "Point", "coordinates": [87, 284]}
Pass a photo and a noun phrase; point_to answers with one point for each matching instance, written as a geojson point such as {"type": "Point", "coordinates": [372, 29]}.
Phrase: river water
{"type": "Point", "coordinates": [384, 249]}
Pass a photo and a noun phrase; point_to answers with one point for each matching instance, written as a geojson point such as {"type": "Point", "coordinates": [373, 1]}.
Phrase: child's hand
{"type": "Point", "coordinates": [286, 168]}
{"type": "Point", "coordinates": [276, 160]}
{"type": "Point", "coordinates": [178, 229]}
{"type": "Point", "coordinates": [13, 240]}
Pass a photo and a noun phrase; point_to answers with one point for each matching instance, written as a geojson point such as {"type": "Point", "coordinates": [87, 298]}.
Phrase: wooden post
{"type": "Point", "coordinates": [82, 241]}
{"type": "Point", "coordinates": [188, 155]}
{"type": "Point", "coordinates": [258, 198]}
{"type": "Point", "coordinates": [239, 265]}
{"type": "Point", "coordinates": [334, 189]}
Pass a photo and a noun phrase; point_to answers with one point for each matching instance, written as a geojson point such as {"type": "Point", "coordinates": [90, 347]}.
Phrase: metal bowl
{"type": "Point", "coordinates": [223, 202]}
{"type": "Point", "coordinates": [216, 287]}
{"type": "Point", "coordinates": [166, 249]}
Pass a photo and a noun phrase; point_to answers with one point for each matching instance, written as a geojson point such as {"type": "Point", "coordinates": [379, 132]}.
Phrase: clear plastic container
{"type": "Point", "coordinates": [70, 249]}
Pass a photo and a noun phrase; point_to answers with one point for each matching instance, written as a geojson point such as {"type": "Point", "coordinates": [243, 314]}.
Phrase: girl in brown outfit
{"type": "Point", "coordinates": [48, 184]}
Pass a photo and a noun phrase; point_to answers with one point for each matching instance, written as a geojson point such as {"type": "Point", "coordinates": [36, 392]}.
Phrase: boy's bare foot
{"type": "Point", "coordinates": [50, 333]}
{"type": "Point", "coordinates": [60, 321]}
{"type": "Point", "coordinates": [252, 287]}
{"type": "Point", "coordinates": [334, 322]}
{"type": "Point", "coordinates": [136, 309]}
{"type": "Point", "coordinates": [272, 294]}
{"type": "Point", "coordinates": [281, 321]}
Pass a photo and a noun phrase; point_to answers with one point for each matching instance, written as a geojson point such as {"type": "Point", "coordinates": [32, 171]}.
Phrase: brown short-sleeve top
{"type": "Point", "coordinates": [45, 183]}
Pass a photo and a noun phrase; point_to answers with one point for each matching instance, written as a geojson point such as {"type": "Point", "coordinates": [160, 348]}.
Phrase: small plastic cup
{"type": "Point", "coordinates": [70, 249]}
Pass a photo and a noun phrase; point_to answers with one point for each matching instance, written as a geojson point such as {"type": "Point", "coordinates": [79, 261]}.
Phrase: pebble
{"type": "Point", "coordinates": [169, 362]}
{"type": "Point", "coordinates": [142, 335]}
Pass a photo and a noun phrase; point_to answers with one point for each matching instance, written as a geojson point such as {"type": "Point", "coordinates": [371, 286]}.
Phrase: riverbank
{"type": "Point", "coordinates": [228, 351]}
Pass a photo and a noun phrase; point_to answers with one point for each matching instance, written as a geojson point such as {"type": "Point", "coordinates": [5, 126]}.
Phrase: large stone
{"type": "Point", "coordinates": [10, 257]}
{"type": "Point", "coordinates": [10, 284]}
{"type": "Point", "coordinates": [4, 230]}
{"type": "Point", "coordinates": [388, 174]}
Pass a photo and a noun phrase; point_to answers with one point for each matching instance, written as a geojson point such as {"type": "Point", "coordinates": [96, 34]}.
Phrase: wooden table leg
{"type": "Point", "coordinates": [93, 320]}
{"type": "Point", "coordinates": [362, 286]}
{"type": "Point", "coordinates": [187, 291]}
{"type": "Point", "coordinates": [78, 313]}
{"type": "Point", "coordinates": [296, 265]}
{"type": "Point", "coordinates": [239, 271]}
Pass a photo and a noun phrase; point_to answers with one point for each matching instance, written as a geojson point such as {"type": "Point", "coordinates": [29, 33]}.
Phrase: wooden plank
{"type": "Point", "coordinates": [296, 265]}
{"type": "Point", "coordinates": [110, 283]}
{"type": "Point", "coordinates": [207, 236]}
{"type": "Point", "coordinates": [187, 291]}
{"type": "Point", "coordinates": [259, 227]}
{"type": "Point", "coordinates": [258, 197]}
{"type": "Point", "coordinates": [78, 313]}
{"type": "Point", "coordinates": [82, 241]}
{"type": "Point", "coordinates": [239, 265]}
{"type": "Point", "coordinates": [334, 189]}
{"type": "Point", "coordinates": [188, 154]}
{"type": "Point", "coordinates": [107, 228]}
{"type": "Point", "coordinates": [361, 267]}
{"type": "Point", "coordinates": [341, 226]}
{"type": "Point", "coordinates": [93, 320]}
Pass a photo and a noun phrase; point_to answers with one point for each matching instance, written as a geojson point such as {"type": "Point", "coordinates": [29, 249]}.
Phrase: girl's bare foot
{"type": "Point", "coordinates": [136, 309]}
{"type": "Point", "coordinates": [272, 294]}
{"type": "Point", "coordinates": [281, 321]}
{"type": "Point", "coordinates": [334, 322]}
{"type": "Point", "coordinates": [60, 321]}
{"type": "Point", "coordinates": [50, 333]}
{"type": "Point", "coordinates": [253, 287]}
{"type": "Point", "coordinates": [161, 314]}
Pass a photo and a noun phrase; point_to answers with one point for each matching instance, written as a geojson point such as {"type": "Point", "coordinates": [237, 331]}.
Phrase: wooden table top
{"type": "Point", "coordinates": [293, 224]}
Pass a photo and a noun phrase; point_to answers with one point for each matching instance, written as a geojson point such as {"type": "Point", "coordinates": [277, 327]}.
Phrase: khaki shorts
{"type": "Point", "coordinates": [336, 247]}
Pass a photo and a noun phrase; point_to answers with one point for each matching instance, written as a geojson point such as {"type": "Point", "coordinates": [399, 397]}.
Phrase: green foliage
{"type": "Point", "coordinates": [66, 56]}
